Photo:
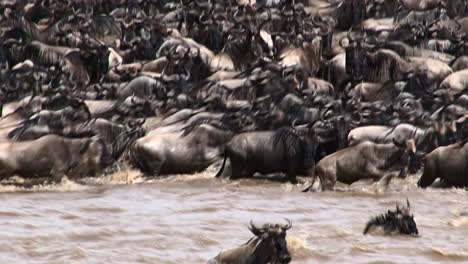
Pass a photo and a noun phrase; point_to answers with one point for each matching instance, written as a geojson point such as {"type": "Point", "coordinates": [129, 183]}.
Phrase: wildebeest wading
{"type": "Point", "coordinates": [288, 150]}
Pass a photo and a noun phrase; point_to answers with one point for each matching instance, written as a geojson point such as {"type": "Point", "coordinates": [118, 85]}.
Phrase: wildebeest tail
{"type": "Point", "coordinates": [224, 164]}
{"type": "Point", "coordinates": [314, 178]}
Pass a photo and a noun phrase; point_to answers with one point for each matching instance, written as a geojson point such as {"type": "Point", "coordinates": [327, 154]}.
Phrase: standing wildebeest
{"type": "Point", "coordinates": [424, 138]}
{"type": "Point", "coordinates": [286, 150]}
{"type": "Point", "coordinates": [52, 156]}
{"type": "Point", "coordinates": [365, 160]}
{"type": "Point", "coordinates": [450, 163]}
{"type": "Point", "coordinates": [268, 246]}
{"type": "Point", "coordinates": [400, 221]}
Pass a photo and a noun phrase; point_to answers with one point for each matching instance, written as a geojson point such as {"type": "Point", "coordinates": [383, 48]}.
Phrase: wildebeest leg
{"type": "Point", "coordinates": [237, 167]}
{"type": "Point", "coordinates": [291, 173]}
{"type": "Point", "coordinates": [57, 173]}
{"type": "Point", "coordinates": [376, 174]}
{"type": "Point", "coordinates": [310, 172]}
{"type": "Point", "coordinates": [327, 179]}
{"type": "Point", "coordinates": [385, 180]}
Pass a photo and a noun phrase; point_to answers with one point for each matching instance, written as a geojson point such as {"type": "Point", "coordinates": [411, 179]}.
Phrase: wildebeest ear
{"type": "Point", "coordinates": [411, 145]}
{"type": "Point", "coordinates": [344, 43]}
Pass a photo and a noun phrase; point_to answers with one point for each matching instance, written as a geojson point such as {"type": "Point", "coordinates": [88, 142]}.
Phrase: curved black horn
{"type": "Point", "coordinates": [255, 230]}
{"type": "Point", "coordinates": [288, 225]}
{"type": "Point", "coordinates": [236, 17]}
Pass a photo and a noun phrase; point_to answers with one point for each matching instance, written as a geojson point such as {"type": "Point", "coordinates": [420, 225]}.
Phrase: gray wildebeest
{"type": "Point", "coordinates": [400, 221]}
{"type": "Point", "coordinates": [367, 160]}
{"type": "Point", "coordinates": [268, 246]}
{"type": "Point", "coordinates": [174, 152]}
{"type": "Point", "coordinates": [449, 163]}
{"type": "Point", "coordinates": [288, 150]}
{"type": "Point", "coordinates": [424, 138]}
{"type": "Point", "coordinates": [52, 157]}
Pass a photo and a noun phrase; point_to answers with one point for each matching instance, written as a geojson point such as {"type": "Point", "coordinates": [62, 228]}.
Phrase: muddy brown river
{"type": "Point", "coordinates": [121, 218]}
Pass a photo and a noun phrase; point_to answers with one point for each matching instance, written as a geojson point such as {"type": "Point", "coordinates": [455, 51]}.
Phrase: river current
{"type": "Point", "coordinates": [122, 218]}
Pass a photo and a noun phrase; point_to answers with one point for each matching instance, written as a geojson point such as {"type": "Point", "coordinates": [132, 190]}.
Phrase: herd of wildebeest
{"type": "Point", "coordinates": [341, 90]}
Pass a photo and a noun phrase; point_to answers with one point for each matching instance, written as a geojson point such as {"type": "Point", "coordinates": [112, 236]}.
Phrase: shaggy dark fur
{"type": "Point", "coordinates": [394, 222]}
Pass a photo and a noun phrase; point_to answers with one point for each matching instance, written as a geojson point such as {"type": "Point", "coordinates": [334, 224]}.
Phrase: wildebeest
{"type": "Point", "coordinates": [424, 138]}
{"type": "Point", "coordinates": [286, 150]}
{"type": "Point", "coordinates": [449, 163]}
{"type": "Point", "coordinates": [170, 153]}
{"type": "Point", "coordinates": [400, 221]}
{"type": "Point", "coordinates": [365, 160]}
{"type": "Point", "coordinates": [268, 246]}
{"type": "Point", "coordinates": [52, 157]}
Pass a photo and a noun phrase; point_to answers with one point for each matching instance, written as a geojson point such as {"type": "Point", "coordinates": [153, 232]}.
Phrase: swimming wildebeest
{"type": "Point", "coordinates": [268, 246]}
{"type": "Point", "coordinates": [286, 150]}
{"type": "Point", "coordinates": [400, 221]}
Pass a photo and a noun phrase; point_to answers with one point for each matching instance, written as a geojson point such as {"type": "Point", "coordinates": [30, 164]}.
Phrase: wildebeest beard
{"type": "Point", "coordinates": [295, 144]}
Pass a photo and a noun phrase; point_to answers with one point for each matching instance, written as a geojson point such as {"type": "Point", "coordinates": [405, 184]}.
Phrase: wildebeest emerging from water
{"type": "Point", "coordinates": [268, 246]}
{"type": "Point", "coordinates": [400, 221]}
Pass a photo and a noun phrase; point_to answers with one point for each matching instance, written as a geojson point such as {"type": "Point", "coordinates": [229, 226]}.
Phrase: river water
{"type": "Point", "coordinates": [122, 218]}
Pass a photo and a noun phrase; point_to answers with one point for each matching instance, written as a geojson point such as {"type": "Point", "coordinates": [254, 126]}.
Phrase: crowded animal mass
{"type": "Point", "coordinates": [318, 111]}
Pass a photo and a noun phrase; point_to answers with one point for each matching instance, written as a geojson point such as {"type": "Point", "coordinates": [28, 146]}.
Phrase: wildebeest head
{"type": "Point", "coordinates": [275, 238]}
{"type": "Point", "coordinates": [408, 149]}
{"type": "Point", "coordinates": [355, 55]}
{"type": "Point", "coordinates": [400, 221]}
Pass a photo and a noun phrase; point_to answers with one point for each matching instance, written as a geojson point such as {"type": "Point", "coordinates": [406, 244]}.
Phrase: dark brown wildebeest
{"type": "Point", "coordinates": [268, 246]}
{"type": "Point", "coordinates": [400, 221]}
{"type": "Point", "coordinates": [286, 150]}
{"type": "Point", "coordinates": [363, 161]}
{"type": "Point", "coordinates": [52, 157]}
{"type": "Point", "coordinates": [450, 163]}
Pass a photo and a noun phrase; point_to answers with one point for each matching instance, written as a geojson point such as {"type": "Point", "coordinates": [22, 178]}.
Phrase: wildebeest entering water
{"type": "Point", "coordinates": [286, 150]}
{"type": "Point", "coordinates": [267, 246]}
{"type": "Point", "coordinates": [52, 157]}
{"type": "Point", "coordinates": [400, 221]}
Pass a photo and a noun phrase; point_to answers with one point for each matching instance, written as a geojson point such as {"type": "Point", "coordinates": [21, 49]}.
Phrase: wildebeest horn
{"type": "Point", "coordinates": [204, 19]}
{"type": "Point", "coordinates": [203, 4]}
{"type": "Point", "coordinates": [288, 225]}
{"type": "Point", "coordinates": [236, 17]}
{"type": "Point", "coordinates": [408, 203]}
{"type": "Point", "coordinates": [255, 230]}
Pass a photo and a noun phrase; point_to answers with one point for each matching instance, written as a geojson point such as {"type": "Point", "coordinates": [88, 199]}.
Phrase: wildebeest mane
{"type": "Point", "coordinates": [383, 63]}
{"type": "Point", "coordinates": [293, 143]}
{"type": "Point", "coordinates": [387, 220]}
{"type": "Point", "coordinates": [215, 123]}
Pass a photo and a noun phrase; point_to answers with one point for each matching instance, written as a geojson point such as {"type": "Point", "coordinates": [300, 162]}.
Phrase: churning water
{"type": "Point", "coordinates": [122, 218]}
